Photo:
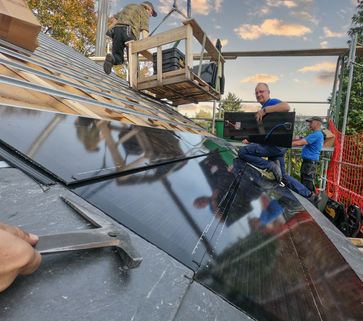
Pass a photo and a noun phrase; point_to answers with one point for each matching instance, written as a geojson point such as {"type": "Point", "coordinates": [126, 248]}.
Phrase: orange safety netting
{"type": "Point", "coordinates": [348, 189]}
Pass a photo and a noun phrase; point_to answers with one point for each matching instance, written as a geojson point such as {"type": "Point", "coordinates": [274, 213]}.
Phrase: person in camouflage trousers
{"type": "Point", "coordinates": [131, 21]}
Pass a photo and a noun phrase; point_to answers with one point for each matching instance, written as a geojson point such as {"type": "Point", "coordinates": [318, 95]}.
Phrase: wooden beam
{"type": "Point", "coordinates": [199, 34]}
{"type": "Point", "coordinates": [148, 55]}
{"type": "Point", "coordinates": [160, 39]}
{"type": "Point", "coordinates": [154, 83]}
{"type": "Point", "coordinates": [166, 75]}
{"type": "Point", "coordinates": [289, 53]}
{"type": "Point", "coordinates": [159, 66]}
{"type": "Point", "coordinates": [133, 66]}
{"type": "Point", "coordinates": [188, 51]}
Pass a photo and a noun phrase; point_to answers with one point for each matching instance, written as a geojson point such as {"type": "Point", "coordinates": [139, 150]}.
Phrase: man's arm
{"type": "Point", "coordinates": [280, 107]}
{"type": "Point", "coordinates": [299, 142]}
{"type": "Point", "coordinates": [17, 255]}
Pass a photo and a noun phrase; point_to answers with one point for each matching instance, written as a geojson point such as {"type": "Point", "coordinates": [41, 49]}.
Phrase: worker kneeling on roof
{"type": "Point", "coordinates": [131, 21]}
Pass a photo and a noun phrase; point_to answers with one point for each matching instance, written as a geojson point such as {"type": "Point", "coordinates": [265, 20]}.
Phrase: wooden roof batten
{"type": "Point", "coordinates": [181, 86]}
{"type": "Point", "coordinates": [40, 73]}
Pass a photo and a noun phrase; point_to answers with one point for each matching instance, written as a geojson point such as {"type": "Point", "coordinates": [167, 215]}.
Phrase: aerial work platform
{"type": "Point", "coordinates": [184, 84]}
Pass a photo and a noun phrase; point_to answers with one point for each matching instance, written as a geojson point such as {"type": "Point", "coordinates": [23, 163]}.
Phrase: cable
{"type": "Point", "coordinates": [286, 125]}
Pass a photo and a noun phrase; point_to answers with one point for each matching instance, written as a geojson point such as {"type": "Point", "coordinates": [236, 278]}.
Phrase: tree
{"type": "Point", "coordinates": [355, 113]}
{"type": "Point", "coordinates": [231, 103]}
{"type": "Point", "coordinates": [72, 22]}
{"type": "Point", "coordinates": [203, 123]}
{"type": "Point", "coordinates": [203, 114]}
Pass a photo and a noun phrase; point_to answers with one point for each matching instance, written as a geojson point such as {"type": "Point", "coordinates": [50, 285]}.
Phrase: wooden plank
{"type": "Point", "coordinates": [159, 66]}
{"type": "Point", "coordinates": [150, 85]}
{"type": "Point", "coordinates": [198, 34]}
{"type": "Point", "coordinates": [188, 51]}
{"type": "Point", "coordinates": [76, 106]}
{"type": "Point", "coordinates": [148, 55]}
{"type": "Point", "coordinates": [159, 39]}
{"type": "Point", "coordinates": [166, 75]}
{"type": "Point", "coordinates": [133, 66]}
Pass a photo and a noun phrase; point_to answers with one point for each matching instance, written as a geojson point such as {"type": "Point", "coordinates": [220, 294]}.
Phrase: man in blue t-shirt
{"type": "Point", "coordinates": [253, 153]}
{"type": "Point", "coordinates": [310, 154]}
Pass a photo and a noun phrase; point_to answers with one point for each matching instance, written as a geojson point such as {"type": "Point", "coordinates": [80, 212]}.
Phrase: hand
{"type": "Point", "coordinates": [260, 114]}
{"type": "Point", "coordinates": [17, 255]}
{"type": "Point", "coordinates": [245, 141]}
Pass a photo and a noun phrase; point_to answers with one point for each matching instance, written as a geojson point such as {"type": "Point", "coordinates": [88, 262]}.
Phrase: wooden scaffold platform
{"type": "Point", "coordinates": [185, 84]}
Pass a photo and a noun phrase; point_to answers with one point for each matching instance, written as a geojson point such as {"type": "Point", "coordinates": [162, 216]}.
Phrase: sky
{"type": "Point", "coordinates": [245, 25]}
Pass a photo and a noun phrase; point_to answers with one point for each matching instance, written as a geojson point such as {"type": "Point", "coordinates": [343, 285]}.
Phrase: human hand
{"type": "Point", "coordinates": [17, 255]}
{"type": "Point", "coordinates": [260, 114]}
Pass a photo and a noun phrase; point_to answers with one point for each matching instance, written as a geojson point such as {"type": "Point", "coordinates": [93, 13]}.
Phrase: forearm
{"type": "Point", "coordinates": [280, 107]}
{"type": "Point", "coordinates": [299, 142]}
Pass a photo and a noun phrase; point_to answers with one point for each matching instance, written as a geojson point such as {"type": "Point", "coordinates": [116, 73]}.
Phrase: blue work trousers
{"type": "Point", "coordinates": [253, 153]}
{"type": "Point", "coordinates": [296, 186]}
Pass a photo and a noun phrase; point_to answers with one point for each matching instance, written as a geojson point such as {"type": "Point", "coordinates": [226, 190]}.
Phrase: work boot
{"type": "Point", "coordinates": [276, 170]}
{"type": "Point", "coordinates": [109, 62]}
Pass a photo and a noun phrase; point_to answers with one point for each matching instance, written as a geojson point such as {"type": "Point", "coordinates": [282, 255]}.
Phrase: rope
{"type": "Point", "coordinates": [173, 9]}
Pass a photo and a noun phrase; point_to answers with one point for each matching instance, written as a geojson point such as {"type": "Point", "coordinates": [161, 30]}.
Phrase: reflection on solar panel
{"type": "Point", "coordinates": [247, 239]}
{"type": "Point", "coordinates": [78, 148]}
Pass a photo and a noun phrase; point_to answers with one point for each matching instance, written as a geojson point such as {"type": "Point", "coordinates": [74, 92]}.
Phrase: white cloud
{"type": "Point", "coordinates": [324, 44]}
{"type": "Point", "coordinates": [202, 7]}
{"type": "Point", "coordinates": [262, 11]}
{"type": "Point", "coordinates": [280, 3]}
{"type": "Point", "coordinates": [218, 5]}
{"type": "Point", "coordinates": [267, 78]}
{"type": "Point", "coordinates": [305, 16]}
{"type": "Point", "coordinates": [165, 6]}
{"type": "Point", "coordinates": [331, 34]}
{"type": "Point", "coordinates": [326, 66]}
{"type": "Point", "coordinates": [325, 71]}
{"type": "Point", "coordinates": [271, 27]}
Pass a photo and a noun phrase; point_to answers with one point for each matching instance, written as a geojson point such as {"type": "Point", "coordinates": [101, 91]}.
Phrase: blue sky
{"type": "Point", "coordinates": [271, 25]}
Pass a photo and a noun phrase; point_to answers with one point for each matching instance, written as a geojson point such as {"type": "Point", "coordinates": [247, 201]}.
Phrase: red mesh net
{"type": "Point", "coordinates": [348, 188]}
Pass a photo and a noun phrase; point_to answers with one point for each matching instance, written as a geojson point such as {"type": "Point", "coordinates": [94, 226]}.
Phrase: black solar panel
{"type": "Point", "coordinates": [246, 238]}
{"type": "Point", "coordinates": [76, 148]}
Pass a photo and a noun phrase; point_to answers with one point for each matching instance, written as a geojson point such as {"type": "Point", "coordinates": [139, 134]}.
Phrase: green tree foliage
{"type": "Point", "coordinates": [231, 103]}
{"type": "Point", "coordinates": [72, 22]}
{"type": "Point", "coordinates": [203, 114]}
{"type": "Point", "coordinates": [204, 123]}
{"type": "Point", "coordinates": [355, 114]}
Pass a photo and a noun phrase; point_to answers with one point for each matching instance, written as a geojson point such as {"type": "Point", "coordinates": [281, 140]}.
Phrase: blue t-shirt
{"type": "Point", "coordinates": [271, 102]}
{"type": "Point", "coordinates": [311, 151]}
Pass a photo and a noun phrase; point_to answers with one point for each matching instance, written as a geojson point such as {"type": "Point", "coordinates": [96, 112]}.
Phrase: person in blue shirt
{"type": "Point", "coordinates": [312, 145]}
{"type": "Point", "coordinates": [253, 153]}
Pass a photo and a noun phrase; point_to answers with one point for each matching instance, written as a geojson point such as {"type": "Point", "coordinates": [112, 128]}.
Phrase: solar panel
{"type": "Point", "coordinates": [76, 149]}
